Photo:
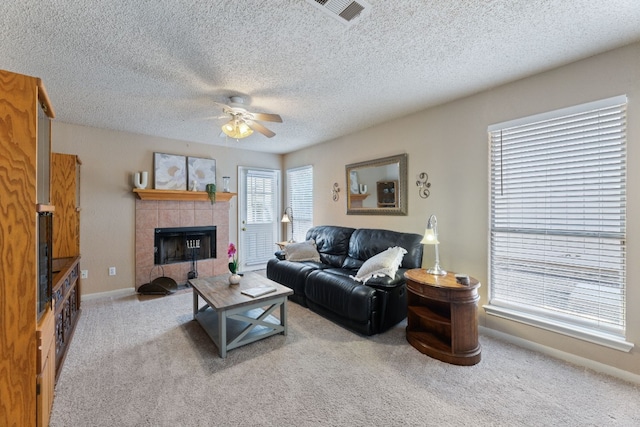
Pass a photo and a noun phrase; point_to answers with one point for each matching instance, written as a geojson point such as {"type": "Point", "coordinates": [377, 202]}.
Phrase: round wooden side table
{"type": "Point", "coordinates": [442, 319]}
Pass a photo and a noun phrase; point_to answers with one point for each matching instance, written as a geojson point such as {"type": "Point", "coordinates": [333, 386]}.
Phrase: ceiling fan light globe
{"type": "Point", "coordinates": [236, 129]}
{"type": "Point", "coordinates": [243, 128]}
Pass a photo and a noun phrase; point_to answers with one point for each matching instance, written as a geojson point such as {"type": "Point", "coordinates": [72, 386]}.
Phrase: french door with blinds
{"type": "Point", "coordinates": [258, 216]}
{"type": "Point", "coordinates": [558, 221]}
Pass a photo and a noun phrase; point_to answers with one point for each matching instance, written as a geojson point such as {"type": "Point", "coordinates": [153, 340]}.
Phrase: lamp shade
{"type": "Point", "coordinates": [237, 129]}
{"type": "Point", "coordinates": [429, 237]}
{"type": "Point", "coordinates": [287, 217]}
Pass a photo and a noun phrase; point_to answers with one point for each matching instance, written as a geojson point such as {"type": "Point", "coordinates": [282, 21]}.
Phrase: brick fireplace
{"type": "Point", "coordinates": [152, 214]}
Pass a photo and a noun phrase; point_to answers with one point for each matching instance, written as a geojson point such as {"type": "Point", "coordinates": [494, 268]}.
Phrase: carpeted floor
{"type": "Point", "coordinates": [142, 361]}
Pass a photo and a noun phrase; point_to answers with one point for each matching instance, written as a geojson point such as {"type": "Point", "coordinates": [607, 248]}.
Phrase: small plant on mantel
{"type": "Point", "coordinates": [211, 192]}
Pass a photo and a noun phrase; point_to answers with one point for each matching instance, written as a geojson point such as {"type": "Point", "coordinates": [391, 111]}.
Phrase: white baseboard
{"type": "Point", "coordinates": [567, 357]}
{"type": "Point", "coordinates": [109, 294]}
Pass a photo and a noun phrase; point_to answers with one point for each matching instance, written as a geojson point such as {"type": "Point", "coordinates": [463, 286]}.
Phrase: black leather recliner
{"type": "Point", "coordinates": [327, 288]}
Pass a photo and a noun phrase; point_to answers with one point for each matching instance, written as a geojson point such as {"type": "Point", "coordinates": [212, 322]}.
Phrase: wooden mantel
{"type": "Point", "coordinates": [358, 197]}
{"type": "Point", "coordinates": [181, 195]}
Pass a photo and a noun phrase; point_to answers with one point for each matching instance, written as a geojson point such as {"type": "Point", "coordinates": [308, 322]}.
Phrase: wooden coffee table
{"type": "Point", "coordinates": [233, 319]}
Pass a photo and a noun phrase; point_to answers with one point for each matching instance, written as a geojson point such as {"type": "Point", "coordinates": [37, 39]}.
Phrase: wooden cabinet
{"type": "Point", "coordinates": [442, 319]}
{"type": "Point", "coordinates": [20, 98]}
{"type": "Point", "coordinates": [387, 192]}
{"type": "Point", "coordinates": [46, 379]}
{"type": "Point", "coordinates": [66, 294]}
{"type": "Point", "coordinates": [65, 187]}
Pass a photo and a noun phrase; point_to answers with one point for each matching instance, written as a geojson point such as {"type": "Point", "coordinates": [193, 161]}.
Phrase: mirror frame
{"type": "Point", "coordinates": [401, 209]}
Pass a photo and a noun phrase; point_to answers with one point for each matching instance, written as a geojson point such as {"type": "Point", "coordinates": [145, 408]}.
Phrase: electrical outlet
{"type": "Point", "coordinates": [84, 274]}
{"type": "Point", "coordinates": [112, 271]}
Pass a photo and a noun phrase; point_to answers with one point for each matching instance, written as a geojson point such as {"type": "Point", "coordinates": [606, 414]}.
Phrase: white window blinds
{"type": "Point", "coordinates": [300, 198]}
{"type": "Point", "coordinates": [558, 218]}
{"type": "Point", "coordinates": [261, 193]}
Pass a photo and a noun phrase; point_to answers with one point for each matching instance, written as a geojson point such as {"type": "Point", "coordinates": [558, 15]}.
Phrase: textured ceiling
{"type": "Point", "coordinates": [158, 67]}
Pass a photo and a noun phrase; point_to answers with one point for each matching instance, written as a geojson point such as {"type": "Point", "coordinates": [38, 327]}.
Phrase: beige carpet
{"type": "Point", "coordinates": [142, 361]}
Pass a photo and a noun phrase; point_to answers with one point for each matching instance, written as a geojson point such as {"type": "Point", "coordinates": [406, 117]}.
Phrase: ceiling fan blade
{"type": "Point", "coordinates": [259, 128]}
{"type": "Point", "coordinates": [266, 117]}
{"type": "Point", "coordinates": [218, 117]}
{"type": "Point", "coordinates": [221, 105]}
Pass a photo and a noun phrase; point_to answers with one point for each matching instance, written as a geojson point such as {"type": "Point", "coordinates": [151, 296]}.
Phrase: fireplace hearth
{"type": "Point", "coordinates": [180, 244]}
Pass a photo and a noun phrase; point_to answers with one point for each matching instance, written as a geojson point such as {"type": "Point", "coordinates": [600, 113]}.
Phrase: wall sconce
{"type": "Point", "coordinates": [431, 238]}
{"type": "Point", "coordinates": [423, 185]}
{"type": "Point", "coordinates": [287, 217]}
{"type": "Point", "coordinates": [334, 192]}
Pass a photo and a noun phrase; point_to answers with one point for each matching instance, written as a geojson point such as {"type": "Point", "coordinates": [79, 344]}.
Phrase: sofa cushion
{"type": "Point", "coordinates": [332, 243]}
{"type": "Point", "coordinates": [291, 274]}
{"type": "Point", "coordinates": [366, 243]}
{"type": "Point", "coordinates": [303, 251]}
{"type": "Point", "coordinates": [385, 263]}
{"type": "Point", "coordinates": [340, 294]}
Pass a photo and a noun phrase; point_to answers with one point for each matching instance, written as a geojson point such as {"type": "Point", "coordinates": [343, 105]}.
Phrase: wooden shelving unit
{"type": "Point", "coordinates": [181, 195]}
{"type": "Point", "coordinates": [357, 199]}
{"type": "Point", "coordinates": [442, 317]}
{"type": "Point", "coordinates": [387, 192]}
{"type": "Point", "coordinates": [26, 320]}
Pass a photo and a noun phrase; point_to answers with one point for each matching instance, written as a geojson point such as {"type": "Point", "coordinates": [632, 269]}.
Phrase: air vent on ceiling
{"type": "Point", "coordinates": [346, 11]}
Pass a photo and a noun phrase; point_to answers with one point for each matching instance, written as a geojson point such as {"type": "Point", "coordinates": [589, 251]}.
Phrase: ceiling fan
{"type": "Point", "coordinates": [242, 122]}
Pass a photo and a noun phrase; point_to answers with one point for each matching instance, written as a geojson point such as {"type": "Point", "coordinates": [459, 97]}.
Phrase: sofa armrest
{"type": "Point", "coordinates": [386, 282]}
{"type": "Point", "coordinates": [280, 255]}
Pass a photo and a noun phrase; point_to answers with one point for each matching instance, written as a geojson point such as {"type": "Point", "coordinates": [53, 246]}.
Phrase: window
{"type": "Point", "coordinates": [300, 199]}
{"type": "Point", "coordinates": [261, 192]}
{"type": "Point", "coordinates": [558, 221]}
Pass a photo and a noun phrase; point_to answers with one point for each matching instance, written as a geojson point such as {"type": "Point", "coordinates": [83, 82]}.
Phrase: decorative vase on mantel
{"type": "Point", "coordinates": [234, 279]}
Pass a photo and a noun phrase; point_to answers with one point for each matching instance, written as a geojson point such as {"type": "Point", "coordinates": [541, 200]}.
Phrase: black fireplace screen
{"type": "Point", "coordinates": [180, 244]}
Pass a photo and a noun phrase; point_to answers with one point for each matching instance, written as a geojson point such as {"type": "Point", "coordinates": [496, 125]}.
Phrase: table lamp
{"type": "Point", "coordinates": [431, 238]}
{"type": "Point", "coordinates": [287, 217]}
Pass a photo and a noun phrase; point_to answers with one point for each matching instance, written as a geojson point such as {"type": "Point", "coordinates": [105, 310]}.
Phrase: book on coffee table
{"type": "Point", "coordinates": [258, 291]}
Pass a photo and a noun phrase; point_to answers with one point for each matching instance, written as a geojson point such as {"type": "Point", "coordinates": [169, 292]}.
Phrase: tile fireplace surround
{"type": "Point", "coordinates": [152, 214]}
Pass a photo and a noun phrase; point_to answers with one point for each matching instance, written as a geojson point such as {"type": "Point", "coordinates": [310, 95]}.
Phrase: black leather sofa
{"type": "Point", "coordinates": [327, 288]}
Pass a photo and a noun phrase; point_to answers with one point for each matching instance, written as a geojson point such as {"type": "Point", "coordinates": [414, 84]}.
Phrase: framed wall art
{"type": "Point", "coordinates": [200, 172]}
{"type": "Point", "coordinates": [170, 171]}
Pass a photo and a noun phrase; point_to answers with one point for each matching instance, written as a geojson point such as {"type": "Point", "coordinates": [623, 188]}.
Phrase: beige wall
{"type": "Point", "coordinates": [449, 142]}
{"type": "Point", "coordinates": [107, 219]}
